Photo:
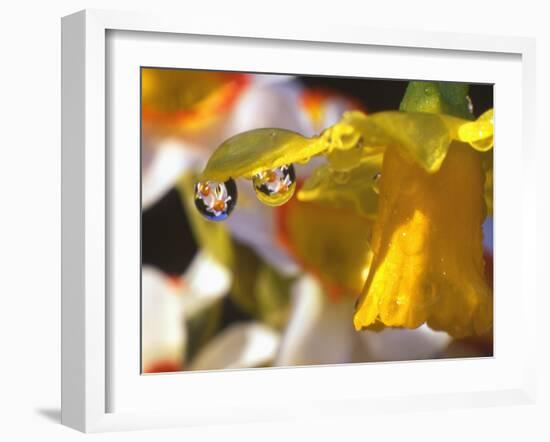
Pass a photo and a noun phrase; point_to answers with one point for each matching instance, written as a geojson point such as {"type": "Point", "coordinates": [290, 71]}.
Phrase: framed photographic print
{"type": "Point", "coordinates": [277, 224]}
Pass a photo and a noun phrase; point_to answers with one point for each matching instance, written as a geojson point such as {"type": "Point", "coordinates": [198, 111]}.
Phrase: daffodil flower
{"type": "Point", "coordinates": [427, 255]}
{"type": "Point", "coordinates": [185, 116]}
{"type": "Point", "coordinates": [419, 176]}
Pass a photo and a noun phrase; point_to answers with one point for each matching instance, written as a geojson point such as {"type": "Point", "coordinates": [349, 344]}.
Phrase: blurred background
{"type": "Point", "coordinates": [261, 288]}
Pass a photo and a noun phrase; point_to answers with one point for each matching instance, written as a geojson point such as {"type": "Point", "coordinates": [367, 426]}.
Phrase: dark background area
{"type": "Point", "coordinates": [167, 240]}
{"type": "Point", "coordinates": [380, 95]}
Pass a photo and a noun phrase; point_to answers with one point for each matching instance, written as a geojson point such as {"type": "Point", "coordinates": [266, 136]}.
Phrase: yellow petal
{"type": "Point", "coordinates": [353, 189]}
{"type": "Point", "coordinates": [427, 248]}
{"type": "Point", "coordinates": [331, 243]}
{"type": "Point", "coordinates": [478, 133]}
{"type": "Point", "coordinates": [249, 153]}
{"type": "Point", "coordinates": [422, 137]}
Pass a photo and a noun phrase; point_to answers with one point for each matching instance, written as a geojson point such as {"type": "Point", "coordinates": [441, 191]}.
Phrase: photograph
{"type": "Point", "coordinates": [232, 221]}
{"type": "Point", "coordinates": [293, 220]}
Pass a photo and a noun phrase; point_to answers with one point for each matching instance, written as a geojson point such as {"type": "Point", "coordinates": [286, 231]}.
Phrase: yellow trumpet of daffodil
{"type": "Point", "coordinates": [427, 257]}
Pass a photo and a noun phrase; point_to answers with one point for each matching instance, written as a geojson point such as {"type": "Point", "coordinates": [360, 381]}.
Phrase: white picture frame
{"type": "Point", "coordinates": [88, 366]}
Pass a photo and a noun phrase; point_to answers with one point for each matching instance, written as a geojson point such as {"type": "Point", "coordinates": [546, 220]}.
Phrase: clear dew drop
{"type": "Point", "coordinates": [376, 182]}
{"type": "Point", "coordinates": [469, 104]}
{"type": "Point", "coordinates": [215, 201]}
{"type": "Point", "coordinates": [275, 186]}
{"type": "Point", "coordinates": [341, 176]}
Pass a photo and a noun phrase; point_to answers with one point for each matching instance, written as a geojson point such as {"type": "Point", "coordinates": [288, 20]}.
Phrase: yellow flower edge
{"type": "Point", "coordinates": [479, 133]}
{"type": "Point", "coordinates": [427, 257]}
{"type": "Point", "coordinates": [186, 102]}
{"type": "Point", "coordinates": [422, 137]}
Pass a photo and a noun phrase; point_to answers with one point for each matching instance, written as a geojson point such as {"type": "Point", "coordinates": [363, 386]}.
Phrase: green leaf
{"type": "Point", "coordinates": [273, 295]}
{"type": "Point", "coordinates": [201, 328]}
{"type": "Point", "coordinates": [245, 272]}
{"type": "Point", "coordinates": [259, 289]}
{"type": "Point", "coordinates": [437, 98]}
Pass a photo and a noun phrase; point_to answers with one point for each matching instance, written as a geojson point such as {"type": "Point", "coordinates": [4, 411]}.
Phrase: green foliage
{"type": "Point", "coordinates": [437, 97]}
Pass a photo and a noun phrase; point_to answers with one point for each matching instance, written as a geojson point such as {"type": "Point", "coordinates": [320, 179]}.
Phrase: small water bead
{"type": "Point", "coordinates": [376, 182]}
{"type": "Point", "coordinates": [469, 104]}
{"type": "Point", "coordinates": [341, 176]}
{"type": "Point", "coordinates": [275, 186]}
{"type": "Point", "coordinates": [215, 201]}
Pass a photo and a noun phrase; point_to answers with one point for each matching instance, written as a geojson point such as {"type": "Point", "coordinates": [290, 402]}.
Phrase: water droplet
{"type": "Point", "coordinates": [215, 201]}
{"type": "Point", "coordinates": [469, 104]}
{"type": "Point", "coordinates": [340, 176]}
{"type": "Point", "coordinates": [275, 186]}
{"type": "Point", "coordinates": [376, 182]}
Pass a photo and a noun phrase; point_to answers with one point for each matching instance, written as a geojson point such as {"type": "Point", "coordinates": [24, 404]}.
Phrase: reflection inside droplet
{"type": "Point", "coordinates": [215, 201]}
{"type": "Point", "coordinates": [275, 186]}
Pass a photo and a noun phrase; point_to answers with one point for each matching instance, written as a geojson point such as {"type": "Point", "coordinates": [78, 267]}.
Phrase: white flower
{"type": "Point", "coordinates": [320, 332]}
{"type": "Point", "coordinates": [241, 345]}
{"type": "Point", "coordinates": [166, 304]}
